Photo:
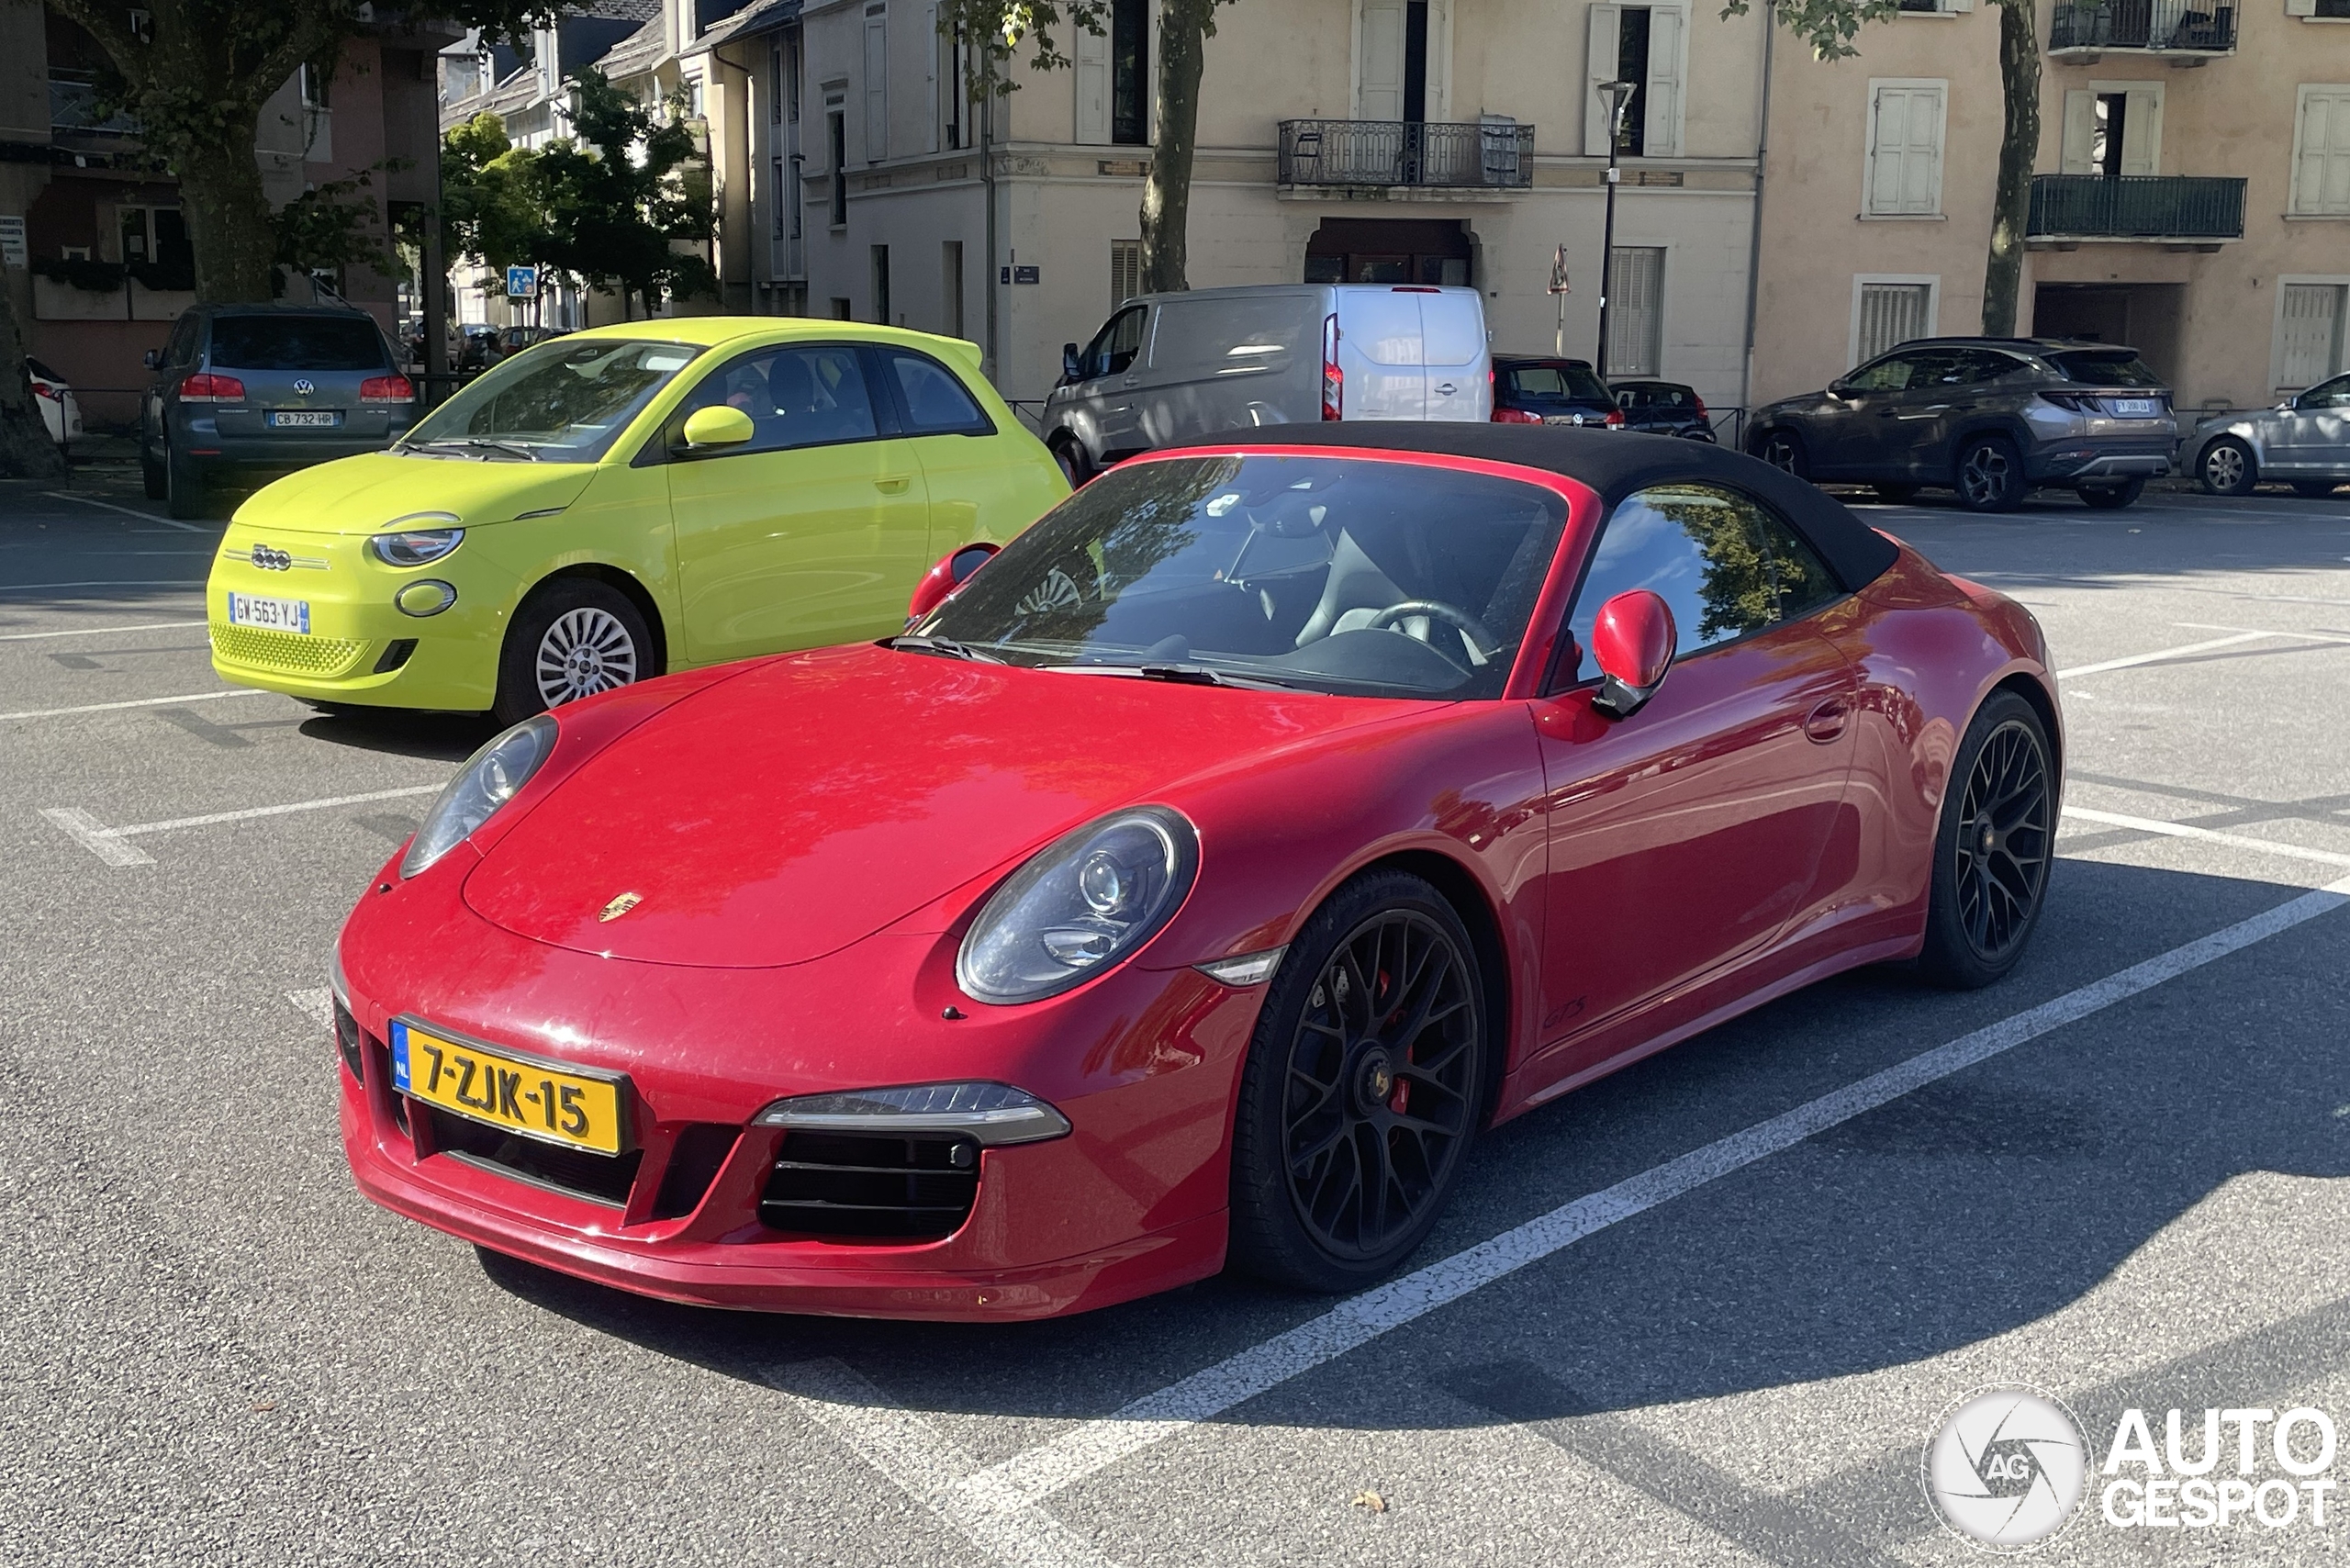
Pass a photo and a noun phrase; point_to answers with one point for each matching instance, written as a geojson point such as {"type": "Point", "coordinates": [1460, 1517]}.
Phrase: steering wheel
{"type": "Point", "coordinates": [1481, 641]}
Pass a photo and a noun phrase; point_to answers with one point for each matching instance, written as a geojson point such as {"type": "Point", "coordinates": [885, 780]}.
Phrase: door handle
{"type": "Point", "coordinates": [1825, 721]}
{"type": "Point", "coordinates": [1447, 390]}
{"type": "Point", "coordinates": [896, 486]}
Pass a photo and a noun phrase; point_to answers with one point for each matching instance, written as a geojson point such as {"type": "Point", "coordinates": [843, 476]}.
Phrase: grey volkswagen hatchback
{"type": "Point", "coordinates": [1989, 417]}
{"type": "Point", "coordinates": [265, 389]}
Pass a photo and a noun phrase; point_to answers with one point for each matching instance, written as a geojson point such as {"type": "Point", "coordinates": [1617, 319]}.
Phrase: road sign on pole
{"type": "Point", "coordinates": [521, 283]}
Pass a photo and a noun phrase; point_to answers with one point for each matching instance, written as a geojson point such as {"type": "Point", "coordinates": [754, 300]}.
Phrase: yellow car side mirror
{"type": "Point", "coordinates": [708, 428]}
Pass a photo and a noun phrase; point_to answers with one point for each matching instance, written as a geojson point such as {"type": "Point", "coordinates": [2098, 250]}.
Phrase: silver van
{"type": "Point", "coordinates": [1172, 367]}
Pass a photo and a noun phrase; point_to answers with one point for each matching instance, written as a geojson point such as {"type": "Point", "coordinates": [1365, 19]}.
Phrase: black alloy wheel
{"type": "Point", "coordinates": [183, 485]}
{"type": "Point", "coordinates": [2113, 498]}
{"type": "Point", "coordinates": [1070, 455]}
{"type": "Point", "coordinates": [1364, 1088]}
{"type": "Point", "coordinates": [1990, 475]}
{"type": "Point", "coordinates": [1784, 450]}
{"type": "Point", "coordinates": [1997, 841]}
{"type": "Point", "coordinates": [151, 465]}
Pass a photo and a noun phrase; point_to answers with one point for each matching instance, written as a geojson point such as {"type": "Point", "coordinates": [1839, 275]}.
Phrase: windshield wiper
{"type": "Point", "coordinates": [1178, 675]}
{"type": "Point", "coordinates": [472, 442]}
{"type": "Point", "coordinates": [944, 647]}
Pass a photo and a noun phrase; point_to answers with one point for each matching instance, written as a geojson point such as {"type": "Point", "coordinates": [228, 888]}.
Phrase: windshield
{"type": "Point", "coordinates": [564, 401]}
{"type": "Point", "coordinates": [1341, 575]}
{"type": "Point", "coordinates": [1556, 382]}
{"type": "Point", "coordinates": [2106, 369]}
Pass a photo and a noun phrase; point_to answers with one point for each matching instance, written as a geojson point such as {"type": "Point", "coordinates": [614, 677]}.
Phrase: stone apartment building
{"type": "Point", "coordinates": [1438, 140]}
{"type": "Point", "coordinates": [2192, 196]}
{"type": "Point", "coordinates": [90, 234]}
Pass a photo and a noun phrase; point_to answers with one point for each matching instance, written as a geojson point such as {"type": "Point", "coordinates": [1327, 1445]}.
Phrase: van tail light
{"type": "Point", "coordinates": [1334, 380]}
{"type": "Point", "coordinates": [205, 387]}
{"type": "Point", "coordinates": [1516, 417]}
{"type": "Point", "coordinates": [386, 389]}
{"type": "Point", "coordinates": [1614, 420]}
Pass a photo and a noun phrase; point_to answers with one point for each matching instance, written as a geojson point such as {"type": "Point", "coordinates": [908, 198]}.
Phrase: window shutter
{"type": "Point", "coordinates": [1439, 84]}
{"type": "Point", "coordinates": [877, 76]}
{"type": "Point", "coordinates": [1091, 67]}
{"type": "Point", "coordinates": [2080, 132]}
{"type": "Point", "coordinates": [1661, 133]}
{"type": "Point", "coordinates": [1380, 73]}
{"type": "Point", "coordinates": [2300, 8]}
{"type": "Point", "coordinates": [1906, 154]}
{"type": "Point", "coordinates": [2322, 174]}
{"type": "Point", "coordinates": [2141, 132]}
{"type": "Point", "coordinates": [1599, 65]}
{"type": "Point", "coordinates": [1958, 5]}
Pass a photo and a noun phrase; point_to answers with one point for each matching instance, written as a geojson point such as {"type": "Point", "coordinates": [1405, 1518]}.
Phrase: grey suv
{"type": "Point", "coordinates": [265, 389]}
{"type": "Point", "coordinates": [1989, 417]}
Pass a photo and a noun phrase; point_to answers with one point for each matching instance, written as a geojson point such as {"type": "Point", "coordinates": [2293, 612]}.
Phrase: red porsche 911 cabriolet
{"type": "Point", "coordinates": [1194, 882]}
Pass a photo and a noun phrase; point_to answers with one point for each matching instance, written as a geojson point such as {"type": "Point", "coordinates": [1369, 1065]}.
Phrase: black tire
{"type": "Point", "coordinates": [1993, 848]}
{"type": "Point", "coordinates": [1784, 451]}
{"type": "Point", "coordinates": [1305, 1217]}
{"type": "Point", "coordinates": [183, 486]}
{"type": "Point", "coordinates": [2314, 489]}
{"type": "Point", "coordinates": [1989, 475]}
{"type": "Point", "coordinates": [1896, 494]}
{"type": "Point", "coordinates": [1069, 453]}
{"type": "Point", "coordinates": [2113, 498]}
{"type": "Point", "coordinates": [150, 469]}
{"type": "Point", "coordinates": [573, 638]}
{"type": "Point", "coordinates": [2227, 467]}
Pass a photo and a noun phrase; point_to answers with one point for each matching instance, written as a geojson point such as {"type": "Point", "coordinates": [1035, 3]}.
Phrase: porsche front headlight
{"type": "Point", "coordinates": [1082, 904]}
{"type": "Point", "coordinates": [489, 779]}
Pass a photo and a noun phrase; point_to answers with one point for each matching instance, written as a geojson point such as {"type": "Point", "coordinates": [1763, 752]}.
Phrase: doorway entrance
{"type": "Point", "coordinates": [2145, 315]}
{"type": "Point", "coordinates": [1388, 249]}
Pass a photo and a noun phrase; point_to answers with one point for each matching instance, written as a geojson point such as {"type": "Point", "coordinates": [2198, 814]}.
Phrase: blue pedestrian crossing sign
{"type": "Point", "coordinates": [521, 283]}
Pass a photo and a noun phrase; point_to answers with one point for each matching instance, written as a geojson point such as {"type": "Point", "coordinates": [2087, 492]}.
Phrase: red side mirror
{"type": "Point", "coordinates": [1633, 641]}
{"type": "Point", "coordinates": [952, 572]}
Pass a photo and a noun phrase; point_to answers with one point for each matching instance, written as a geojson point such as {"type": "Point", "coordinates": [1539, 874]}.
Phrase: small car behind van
{"type": "Point", "coordinates": [1172, 367]}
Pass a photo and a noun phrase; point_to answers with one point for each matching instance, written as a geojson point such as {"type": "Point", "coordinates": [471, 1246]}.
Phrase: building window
{"type": "Point", "coordinates": [1905, 150]}
{"type": "Point", "coordinates": [1130, 71]}
{"type": "Point", "coordinates": [313, 88]}
{"type": "Point", "coordinates": [2309, 334]}
{"type": "Point", "coordinates": [950, 287]}
{"type": "Point", "coordinates": [777, 79]}
{"type": "Point", "coordinates": [881, 284]}
{"type": "Point", "coordinates": [1890, 312]}
{"type": "Point", "coordinates": [783, 199]}
{"type": "Point", "coordinates": [1125, 271]}
{"type": "Point", "coordinates": [840, 308]}
{"type": "Point", "coordinates": [877, 78]}
{"type": "Point", "coordinates": [2337, 9]}
{"type": "Point", "coordinates": [2321, 153]}
{"type": "Point", "coordinates": [2112, 129]}
{"type": "Point", "coordinates": [1636, 312]}
{"type": "Point", "coordinates": [1642, 45]}
{"type": "Point", "coordinates": [836, 128]}
{"type": "Point", "coordinates": [954, 96]}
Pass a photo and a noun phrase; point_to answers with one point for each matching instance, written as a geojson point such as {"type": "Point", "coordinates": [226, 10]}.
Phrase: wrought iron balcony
{"type": "Point", "coordinates": [2187, 209]}
{"type": "Point", "coordinates": [1491, 155]}
{"type": "Point", "coordinates": [2156, 27]}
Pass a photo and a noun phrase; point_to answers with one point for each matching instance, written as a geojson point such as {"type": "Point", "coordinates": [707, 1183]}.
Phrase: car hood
{"type": "Point", "coordinates": [819, 797]}
{"type": "Point", "coordinates": [360, 495]}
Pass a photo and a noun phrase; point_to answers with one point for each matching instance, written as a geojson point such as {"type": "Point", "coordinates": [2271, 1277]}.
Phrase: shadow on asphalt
{"type": "Point", "coordinates": [1976, 1205]}
{"type": "Point", "coordinates": [446, 737]}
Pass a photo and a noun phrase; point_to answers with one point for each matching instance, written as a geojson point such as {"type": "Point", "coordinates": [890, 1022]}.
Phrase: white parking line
{"type": "Point", "coordinates": [196, 583]}
{"type": "Point", "coordinates": [2161, 654]}
{"type": "Point", "coordinates": [1011, 1487]}
{"type": "Point", "coordinates": [134, 702]}
{"type": "Point", "coordinates": [107, 842]}
{"type": "Point", "coordinates": [927, 1466]}
{"type": "Point", "coordinates": [2312, 636]}
{"type": "Point", "coordinates": [2209, 835]}
{"type": "Point", "coordinates": [97, 631]}
{"type": "Point", "coordinates": [129, 511]}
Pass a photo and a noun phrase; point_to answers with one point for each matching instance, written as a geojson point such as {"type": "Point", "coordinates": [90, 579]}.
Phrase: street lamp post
{"type": "Point", "coordinates": [1612, 96]}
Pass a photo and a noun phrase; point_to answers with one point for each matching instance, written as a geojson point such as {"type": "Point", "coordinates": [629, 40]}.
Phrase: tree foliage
{"type": "Point", "coordinates": [337, 225]}
{"type": "Point", "coordinates": [608, 207]}
{"type": "Point", "coordinates": [1829, 27]}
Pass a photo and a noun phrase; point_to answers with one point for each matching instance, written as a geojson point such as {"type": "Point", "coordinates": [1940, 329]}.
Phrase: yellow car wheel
{"type": "Point", "coordinates": [574, 638]}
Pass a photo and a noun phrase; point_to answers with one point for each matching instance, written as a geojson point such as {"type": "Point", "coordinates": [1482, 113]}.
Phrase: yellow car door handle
{"type": "Point", "coordinates": [896, 486]}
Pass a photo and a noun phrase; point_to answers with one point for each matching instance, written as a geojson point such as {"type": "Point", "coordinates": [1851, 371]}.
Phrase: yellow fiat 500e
{"type": "Point", "coordinates": [623, 502]}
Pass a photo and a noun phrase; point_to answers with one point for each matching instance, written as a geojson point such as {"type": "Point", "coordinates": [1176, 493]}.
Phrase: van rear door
{"type": "Point", "coordinates": [1460, 365]}
{"type": "Point", "coordinates": [1222, 361]}
{"type": "Point", "coordinates": [1383, 369]}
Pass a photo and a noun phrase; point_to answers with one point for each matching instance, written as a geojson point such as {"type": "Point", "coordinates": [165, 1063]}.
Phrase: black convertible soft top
{"type": "Point", "coordinates": [1615, 464]}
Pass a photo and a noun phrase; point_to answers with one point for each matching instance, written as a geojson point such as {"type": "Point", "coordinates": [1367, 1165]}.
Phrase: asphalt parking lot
{"type": "Point", "coordinates": [1708, 1311]}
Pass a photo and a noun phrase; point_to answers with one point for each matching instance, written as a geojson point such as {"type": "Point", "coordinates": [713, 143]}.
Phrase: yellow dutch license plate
{"type": "Point", "coordinates": [534, 1099]}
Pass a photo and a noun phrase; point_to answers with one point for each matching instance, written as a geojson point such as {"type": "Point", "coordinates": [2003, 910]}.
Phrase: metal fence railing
{"type": "Point", "coordinates": [1493, 154]}
{"type": "Point", "coordinates": [2136, 206]}
{"type": "Point", "coordinates": [2193, 26]}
